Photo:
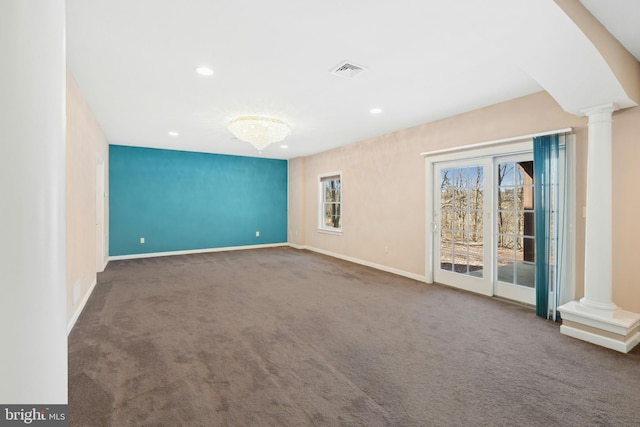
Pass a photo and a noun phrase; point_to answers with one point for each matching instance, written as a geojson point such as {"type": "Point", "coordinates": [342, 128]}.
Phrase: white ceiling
{"type": "Point", "coordinates": [426, 60]}
{"type": "Point", "coordinates": [621, 18]}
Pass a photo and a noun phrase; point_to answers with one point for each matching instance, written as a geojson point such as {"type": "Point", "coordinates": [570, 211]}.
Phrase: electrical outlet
{"type": "Point", "coordinates": [257, 234]}
{"type": "Point", "coordinates": [141, 240]}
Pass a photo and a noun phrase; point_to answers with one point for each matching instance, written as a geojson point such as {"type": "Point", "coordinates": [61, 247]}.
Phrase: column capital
{"type": "Point", "coordinates": [600, 109]}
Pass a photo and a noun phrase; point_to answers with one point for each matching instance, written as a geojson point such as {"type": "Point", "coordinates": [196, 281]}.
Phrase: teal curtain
{"type": "Point", "coordinates": [545, 163]}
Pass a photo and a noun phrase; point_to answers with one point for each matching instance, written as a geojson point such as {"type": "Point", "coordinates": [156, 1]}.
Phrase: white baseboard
{"type": "Point", "coordinates": [195, 251]}
{"type": "Point", "coordinates": [363, 262]}
{"type": "Point", "coordinates": [104, 267]}
{"type": "Point", "coordinates": [80, 307]}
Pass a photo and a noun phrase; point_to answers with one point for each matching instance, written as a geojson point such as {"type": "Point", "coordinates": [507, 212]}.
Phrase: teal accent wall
{"type": "Point", "coordinates": [181, 200]}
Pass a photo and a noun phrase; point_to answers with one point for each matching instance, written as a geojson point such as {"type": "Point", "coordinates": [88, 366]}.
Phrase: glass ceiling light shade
{"type": "Point", "coordinates": [259, 131]}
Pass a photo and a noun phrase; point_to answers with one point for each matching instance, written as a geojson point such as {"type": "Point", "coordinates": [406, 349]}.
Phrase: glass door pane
{"type": "Point", "coordinates": [461, 198]}
{"type": "Point", "coordinates": [461, 204]}
{"type": "Point", "coordinates": [515, 233]}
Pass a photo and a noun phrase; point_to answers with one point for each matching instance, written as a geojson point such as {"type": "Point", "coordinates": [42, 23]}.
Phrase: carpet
{"type": "Point", "coordinates": [284, 337]}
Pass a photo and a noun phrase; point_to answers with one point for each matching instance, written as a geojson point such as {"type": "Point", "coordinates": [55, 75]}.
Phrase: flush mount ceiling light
{"type": "Point", "coordinates": [259, 131]}
{"type": "Point", "coordinates": [173, 133]}
{"type": "Point", "coordinates": [204, 71]}
{"type": "Point", "coordinates": [375, 110]}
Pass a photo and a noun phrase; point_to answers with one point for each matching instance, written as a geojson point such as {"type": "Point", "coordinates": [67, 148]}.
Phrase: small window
{"type": "Point", "coordinates": [331, 202]}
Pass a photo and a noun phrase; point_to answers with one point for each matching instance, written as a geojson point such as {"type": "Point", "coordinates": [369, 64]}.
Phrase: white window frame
{"type": "Point", "coordinates": [321, 202]}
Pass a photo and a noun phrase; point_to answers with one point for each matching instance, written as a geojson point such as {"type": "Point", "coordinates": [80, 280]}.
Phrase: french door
{"type": "Point", "coordinates": [484, 238]}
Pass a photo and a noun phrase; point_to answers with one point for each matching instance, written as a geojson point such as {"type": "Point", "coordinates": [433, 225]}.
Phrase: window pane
{"type": "Point", "coordinates": [446, 198]}
{"type": "Point", "coordinates": [508, 242]}
{"type": "Point", "coordinates": [445, 221]}
{"type": "Point", "coordinates": [445, 178]}
{"type": "Point", "coordinates": [476, 265]}
{"type": "Point", "coordinates": [476, 198]}
{"type": "Point", "coordinates": [460, 261]}
{"type": "Point", "coordinates": [475, 239]}
{"type": "Point", "coordinates": [446, 260]}
{"type": "Point", "coordinates": [525, 274]}
{"type": "Point", "coordinates": [506, 271]}
{"type": "Point", "coordinates": [332, 215]}
{"type": "Point", "coordinates": [476, 174]}
{"type": "Point", "coordinates": [328, 221]}
{"type": "Point", "coordinates": [475, 221]}
{"type": "Point", "coordinates": [332, 191]}
{"type": "Point", "coordinates": [506, 199]}
{"type": "Point", "coordinates": [528, 249]}
{"type": "Point", "coordinates": [446, 240]}
{"type": "Point", "coordinates": [506, 175]}
{"type": "Point", "coordinates": [460, 199]}
{"type": "Point", "coordinates": [328, 196]}
{"type": "Point", "coordinates": [518, 175]}
{"type": "Point", "coordinates": [506, 223]}
{"type": "Point", "coordinates": [527, 197]}
{"type": "Point", "coordinates": [460, 219]}
{"type": "Point", "coordinates": [329, 192]}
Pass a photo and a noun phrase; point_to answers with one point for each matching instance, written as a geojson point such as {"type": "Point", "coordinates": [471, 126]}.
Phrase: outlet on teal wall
{"type": "Point", "coordinates": [179, 200]}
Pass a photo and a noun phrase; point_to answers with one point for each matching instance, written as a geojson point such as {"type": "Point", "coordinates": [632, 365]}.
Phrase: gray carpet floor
{"type": "Point", "coordinates": [282, 337]}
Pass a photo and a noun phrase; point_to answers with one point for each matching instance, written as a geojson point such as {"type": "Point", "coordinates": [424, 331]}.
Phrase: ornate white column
{"type": "Point", "coordinates": [33, 360]}
{"type": "Point", "coordinates": [595, 318]}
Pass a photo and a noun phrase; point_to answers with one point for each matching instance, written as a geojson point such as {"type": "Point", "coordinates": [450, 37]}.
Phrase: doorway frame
{"type": "Point", "coordinates": [100, 205]}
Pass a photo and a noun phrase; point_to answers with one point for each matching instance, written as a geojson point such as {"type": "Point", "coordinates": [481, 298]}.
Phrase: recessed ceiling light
{"type": "Point", "coordinates": [375, 110]}
{"type": "Point", "coordinates": [284, 146]}
{"type": "Point", "coordinates": [204, 71]}
{"type": "Point", "coordinates": [173, 133]}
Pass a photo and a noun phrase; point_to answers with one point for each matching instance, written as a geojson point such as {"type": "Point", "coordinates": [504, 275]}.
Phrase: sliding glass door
{"type": "Point", "coordinates": [484, 226]}
{"type": "Point", "coordinates": [486, 229]}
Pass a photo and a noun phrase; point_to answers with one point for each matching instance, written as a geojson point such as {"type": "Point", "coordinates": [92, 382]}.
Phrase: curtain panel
{"type": "Point", "coordinates": [546, 189]}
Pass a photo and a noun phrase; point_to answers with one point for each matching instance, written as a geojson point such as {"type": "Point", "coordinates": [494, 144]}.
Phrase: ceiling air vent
{"type": "Point", "coordinates": [347, 69]}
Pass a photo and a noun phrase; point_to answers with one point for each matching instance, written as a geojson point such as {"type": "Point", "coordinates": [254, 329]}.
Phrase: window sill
{"type": "Point", "coordinates": [337, 232]}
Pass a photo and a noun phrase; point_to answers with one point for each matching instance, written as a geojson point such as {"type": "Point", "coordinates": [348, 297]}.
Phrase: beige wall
{"type": "Point", "coordinates": [384, 181]}
{"type": "Point", "coordinates": [384, 187]}
{"type": "Point", "coordinates": [85, 145]}
{"type": "Point", "coordinates": [626, 208]}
